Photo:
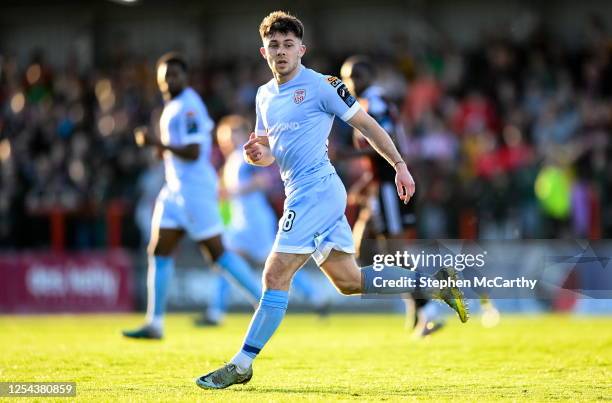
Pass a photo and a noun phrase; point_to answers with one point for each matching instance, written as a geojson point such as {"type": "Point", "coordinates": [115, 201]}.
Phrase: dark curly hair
{"type": "Point", "coordinates": [280, 21]}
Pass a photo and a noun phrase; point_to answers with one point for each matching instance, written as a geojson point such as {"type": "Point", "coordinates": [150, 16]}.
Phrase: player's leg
{"type": "Point", "coordinates": [428, 318]}
{"type": "Point", "coordinates": [364, 236]}
{"type": "Point", "coordinates": [159, 274]}
{"type": "Point", "coordinates": [161, 269]}
{"type": "Point", "coordinates": [398, 220]}
{"type": "Point", "coordinates": [218, 305]}
{"type": "Point", "coordinates": [277, 275]}
{"type": "Point", "coordinates": [202, 220]}
{"type": "Point", "coordinates": [342, 270]}
{"type": "Point", "coordinates": [349, 279]}
{"type": "Point", "coordinates": [254, 249]}
{"type": "Point", "coordinates": [234, 264]}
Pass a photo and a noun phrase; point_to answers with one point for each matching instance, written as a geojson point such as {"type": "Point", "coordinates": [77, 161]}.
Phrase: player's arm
{"type": "Point", "coordinates": [376, 136]}
{"type": "Point", "coordinates": [360, 149]}
{"type": "Point", "coordinates": [190, 152]}
{"type": "Point", "coordinates": [257, 151]}
{"type": "Point", "coordinates": [194, 128]}
{"type": "Point", "coordinates": [380, 140]}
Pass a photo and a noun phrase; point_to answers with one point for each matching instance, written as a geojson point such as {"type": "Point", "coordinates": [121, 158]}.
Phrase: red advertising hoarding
{"type": "Point", "coordinates": [41, 282]}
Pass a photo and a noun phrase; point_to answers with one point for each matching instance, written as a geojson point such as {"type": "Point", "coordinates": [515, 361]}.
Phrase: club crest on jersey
{"type": "Point", "coordinates": [299, 95]}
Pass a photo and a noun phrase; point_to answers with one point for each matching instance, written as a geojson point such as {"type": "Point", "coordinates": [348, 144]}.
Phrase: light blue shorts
{"type": "Point", "coordinates": [313, 220]}
{"type": "Point", "coordinates": [195, 212]}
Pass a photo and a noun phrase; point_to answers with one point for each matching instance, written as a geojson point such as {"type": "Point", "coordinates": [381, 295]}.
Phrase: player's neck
{"type": "Point", "coordinates": [282, 79]}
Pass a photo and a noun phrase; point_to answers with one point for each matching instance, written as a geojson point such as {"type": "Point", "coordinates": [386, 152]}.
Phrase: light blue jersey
{"type": "Point", "coordinates": [253, 224]}
{"type": "Point", "coordinates": [184, 121]}
{"type": "Point", "coordinates": [297, 117]}
{"type": "Point", "coordinates": [188, 199]}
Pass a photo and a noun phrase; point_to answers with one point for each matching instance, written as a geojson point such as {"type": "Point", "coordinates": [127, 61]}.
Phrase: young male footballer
{"type": "Point", "coordinates": [295, 111]}
{"type": "Point", "coordinates": [188, 201]}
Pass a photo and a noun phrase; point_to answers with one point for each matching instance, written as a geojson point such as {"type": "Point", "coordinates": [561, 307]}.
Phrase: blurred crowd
{"type": "Point", "coordinates": [507, 140]}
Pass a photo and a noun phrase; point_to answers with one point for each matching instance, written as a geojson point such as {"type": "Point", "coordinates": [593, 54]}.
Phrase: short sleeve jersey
{"type": "Point", "coordinates": [184, 121]}
{"type": "Point", "coordinates": [297, 117]}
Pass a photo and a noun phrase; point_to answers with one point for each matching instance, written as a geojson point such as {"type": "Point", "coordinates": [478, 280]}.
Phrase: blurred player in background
{"type": "Point", "coordinates": [295, 111]}
{"type": "Point", "coordinates": [383, 217]}
{"type": "Point", "coordinates": [253, 222]}
{"type": "Point", "coordinates": [188, 201]}
{"type": "Point", "coordinates": [150, 183]}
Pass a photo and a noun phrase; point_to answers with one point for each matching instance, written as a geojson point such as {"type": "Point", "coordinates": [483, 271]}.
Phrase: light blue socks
{"type": "Point", "coordinates": [218, 305]}
{"type": "Point", "coordinates": [239, 269]}
{"type": "Point", "coordinates": [266, 320]}
{"type": "Point", "coordinates": [159, 276]}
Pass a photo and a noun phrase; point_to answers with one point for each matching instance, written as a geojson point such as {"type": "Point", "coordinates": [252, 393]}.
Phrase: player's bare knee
{"type": "Point", "coordinates": [274, 280]}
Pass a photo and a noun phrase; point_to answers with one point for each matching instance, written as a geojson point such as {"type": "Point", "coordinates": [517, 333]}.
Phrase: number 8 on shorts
{"type": "Point", "coordinates": [288, 221]}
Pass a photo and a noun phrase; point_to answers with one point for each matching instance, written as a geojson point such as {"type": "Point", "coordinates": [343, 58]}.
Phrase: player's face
{"type": "Point", "coordinates": [224, 138]}
{"type": "Point", "coordinates": [171, 79]}
{"type": "Point", "coordinates": [283, 53]}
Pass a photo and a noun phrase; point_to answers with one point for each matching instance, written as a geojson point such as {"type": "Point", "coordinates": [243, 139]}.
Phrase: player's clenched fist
{"type": "Point", "coordinates": [257, 151]}
{"type": "Point", "coordinates": [404, 182]}
{"type": "Point", "coordinates": [142, 137]}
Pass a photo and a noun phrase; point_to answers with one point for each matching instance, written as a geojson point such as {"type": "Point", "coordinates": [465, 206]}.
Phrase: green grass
{"type": "Point", "coordinates": [347, 357]}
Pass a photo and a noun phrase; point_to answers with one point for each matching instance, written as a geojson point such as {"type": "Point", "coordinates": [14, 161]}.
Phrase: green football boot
{"type": "Point", "coordinates": [223, 377]}
{"type": "Point", "coordinates": [453, 296]}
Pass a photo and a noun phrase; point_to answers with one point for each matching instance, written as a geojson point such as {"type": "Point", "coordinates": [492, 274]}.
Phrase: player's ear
{"type": "Point", "coordinates": [262, 51]}
{"type": "Point", "coordinates": [302, 49]}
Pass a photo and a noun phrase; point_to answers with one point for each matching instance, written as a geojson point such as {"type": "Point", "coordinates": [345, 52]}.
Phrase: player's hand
{"type": "Point", "coordinates": [140, 135]}
{"type": "Point", "coordinates": [257, 150]}
{"type": "Point", "coordinates": [143, 137]}
{"type": "Point", "coordinates": [404, 182]}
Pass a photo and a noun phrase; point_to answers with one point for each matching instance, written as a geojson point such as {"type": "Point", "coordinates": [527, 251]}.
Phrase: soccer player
{"type": "Point", "coordinates": [384, 216]}
{"type": "Point", "coordinates": [188, 201]}
{"type": "Point", "coordinates": [295, 111]}
{"type": "Point", "coordinates": [252, 226]}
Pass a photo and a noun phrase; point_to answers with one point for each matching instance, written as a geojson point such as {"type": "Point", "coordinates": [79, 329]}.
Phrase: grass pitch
{"type": "Point", "coordinates": [346, 357]}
